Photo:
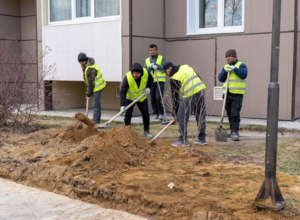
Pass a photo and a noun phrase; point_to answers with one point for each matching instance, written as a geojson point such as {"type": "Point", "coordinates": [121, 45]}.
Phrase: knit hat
{"type": "Point", "coordinates": [230, 53]}
{"type": "Point", "coordinates": [82, 57]}
{"type": "Point", "coordinates": [167, 65]}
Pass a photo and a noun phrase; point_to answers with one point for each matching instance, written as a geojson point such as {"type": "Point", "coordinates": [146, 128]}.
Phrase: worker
{"type": "Point", "coordinates": [235, 92]}
{"type": "Point", "coordinates": [188, 95]}
{"type": "Point", "coordinates": [154, 66]}
{"type": "Point", "coordinates": [136, 82]}
{"type": "Point", "coordinates": [93, 77]}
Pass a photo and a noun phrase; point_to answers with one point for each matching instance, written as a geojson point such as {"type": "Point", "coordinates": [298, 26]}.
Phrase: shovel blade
{"type": "Point", "coordinates": [221, 135]}
{"type": "Point", "coordinates": [101, 126]}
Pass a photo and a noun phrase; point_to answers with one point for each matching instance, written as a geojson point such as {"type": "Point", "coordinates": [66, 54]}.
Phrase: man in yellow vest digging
{"type": "Point", "coordinates": [154, 65]}
{"type": "Point", "coordinates": [93, 77]}
{"type": "Point", "coordinates": [236, 90]}
{"type": "Point", "coordinates": [136, 82]}
{"type": "Point", "coordinates": [188, 94]}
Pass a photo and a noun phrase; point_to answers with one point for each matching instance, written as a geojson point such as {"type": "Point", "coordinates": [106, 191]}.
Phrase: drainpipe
{"type": "Point", "coordinates": [37, 56]}
{"type": "Point", "coordinates": [130, 33]}
{"type": "Point", "coordinates": [295, 60]}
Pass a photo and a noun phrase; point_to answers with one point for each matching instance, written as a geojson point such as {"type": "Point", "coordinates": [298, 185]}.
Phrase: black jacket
{"type": "Point", "coordinates": [90, 74]}
{"type": "Point", "coordinates": [125, 86]}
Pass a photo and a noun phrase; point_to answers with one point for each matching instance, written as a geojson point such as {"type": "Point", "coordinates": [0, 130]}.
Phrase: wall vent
{"type": "Point", "coordinates": [218, 93]}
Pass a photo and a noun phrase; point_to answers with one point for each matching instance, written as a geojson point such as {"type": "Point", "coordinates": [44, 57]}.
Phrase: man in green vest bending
{"type": "Point", "coordinates": [136, 82]}
{"type": "Point", "coordinates": [154, 66]}
{"type": "Point", "coordinates": [93, 77]}
{"type": "Point", "coordinates": [188, 94]}
{"type": "Point", "coordinates": [235, 92]}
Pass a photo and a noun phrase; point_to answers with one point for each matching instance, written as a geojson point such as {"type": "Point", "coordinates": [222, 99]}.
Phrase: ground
{"type": "Point", "coordinates": [118, 168]}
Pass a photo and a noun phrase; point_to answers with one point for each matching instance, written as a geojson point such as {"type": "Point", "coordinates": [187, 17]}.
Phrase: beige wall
{"type": "Point", "coordinates": [253, 48]}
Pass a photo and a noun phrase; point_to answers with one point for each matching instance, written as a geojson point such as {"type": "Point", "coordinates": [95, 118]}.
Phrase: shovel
{"type": "Point", "coordinates": [156, 136]}
{"type": "Point", "coordinates": [221, 133]}
{"type": "Point", "coordinates": [121, 112]}
{"type": "Point", "coordinates": [87, 108]}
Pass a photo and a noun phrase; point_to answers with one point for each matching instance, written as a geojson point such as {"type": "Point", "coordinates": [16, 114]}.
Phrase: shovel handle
{"type": "Point", "coordinates": [171, 122]}
{"type": "Point", "coordinates": [225, 96]}
{"type": "Point", "coordinates": [127, 107]}
{"type": "Point", "coordinates": [87, 108]}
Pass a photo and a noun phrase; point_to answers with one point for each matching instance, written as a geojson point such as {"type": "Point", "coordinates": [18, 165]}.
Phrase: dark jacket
{"type": "Point", "coordinates": [91, 74]}
{"type": "Point", "coordinates": [175, 86]}
{"type": "Point", "coordinates": [125, 85]}
{"type": "Point", "coordinates": [241, 72]}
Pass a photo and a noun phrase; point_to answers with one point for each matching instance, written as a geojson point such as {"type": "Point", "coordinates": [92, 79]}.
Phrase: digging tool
{"type": "Point", "coordinates": [165, 119]}
{"type": "Point", "coordinates": [87, 107]}
{"type": "Point", "coordinates": [156, 136]}
{"type": "Point", "coordinates": [221, 133]}
{"type": "Point", "coordinates": [120, 113]}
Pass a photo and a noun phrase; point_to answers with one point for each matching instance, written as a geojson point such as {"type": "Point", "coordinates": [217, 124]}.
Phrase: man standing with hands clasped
{"type": "Point", "coordinates": [236, 89]}
{"type": "Point", "coordinates": [93, 77]}
{"type": "Point", "coordinates": [136, 82]}
{"type": "Point", "coordinates": [154, 66]}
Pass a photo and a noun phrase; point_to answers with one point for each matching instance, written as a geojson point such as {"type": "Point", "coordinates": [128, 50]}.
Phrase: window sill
{"type": "Point", "coordinates": [84, 21]}
{"type": "Point", "coordinates": [224, 31]}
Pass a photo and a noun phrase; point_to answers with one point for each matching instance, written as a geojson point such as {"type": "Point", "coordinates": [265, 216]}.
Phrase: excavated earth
{"type": "Point", "coordinates": [117, 169]}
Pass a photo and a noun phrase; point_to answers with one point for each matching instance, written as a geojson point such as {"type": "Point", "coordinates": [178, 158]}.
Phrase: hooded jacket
{"type": "Point", "coordinates": [125, 86]}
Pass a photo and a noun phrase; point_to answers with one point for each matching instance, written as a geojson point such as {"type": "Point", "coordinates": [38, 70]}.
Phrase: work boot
{"type": "Point", "coordinates": [235, 136]}
{"type": "Point", "coordinates": [181, 144]}
{"type": "Point", "coordinates": [160, 117]}
{"type": "Point", "coordinates": [201, 142]}
{"type": "Point", "coordinates": [147, 134]}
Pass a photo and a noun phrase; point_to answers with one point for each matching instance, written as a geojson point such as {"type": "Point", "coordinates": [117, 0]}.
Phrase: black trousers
{"type": "Point", "coordinates": [233, 107]}
{"type": "Point", "coordinates": [156, 101]}
{"type": "Point", "coordinates": [143, 107]}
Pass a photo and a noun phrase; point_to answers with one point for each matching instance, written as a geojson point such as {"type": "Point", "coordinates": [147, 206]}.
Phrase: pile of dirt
{"type": "Point", "coordinates": [110, 150]}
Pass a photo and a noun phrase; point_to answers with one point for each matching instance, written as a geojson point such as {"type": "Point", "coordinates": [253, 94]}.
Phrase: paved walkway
{"type": "Point", "coordinates": [108, 114]}
{"type": "Point", "coordinates": [19, 202]}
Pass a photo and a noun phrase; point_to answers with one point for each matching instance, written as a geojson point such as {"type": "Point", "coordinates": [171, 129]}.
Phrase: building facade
{"type": "Point", "coordinates": [117, 33]}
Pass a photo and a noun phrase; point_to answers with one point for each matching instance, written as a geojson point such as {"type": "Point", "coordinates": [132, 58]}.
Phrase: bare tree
{"type": "Point", "coordinates": [21, 83]}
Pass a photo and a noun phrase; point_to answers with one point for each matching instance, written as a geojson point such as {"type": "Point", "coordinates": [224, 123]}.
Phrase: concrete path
{"type": "Point", "coordinates": [19, 202]}
{"type": "Point", "coordinates": [108, 114]}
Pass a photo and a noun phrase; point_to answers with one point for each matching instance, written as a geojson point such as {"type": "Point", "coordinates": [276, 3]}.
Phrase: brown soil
{"type": "Point", "coordinates": [118, 169]}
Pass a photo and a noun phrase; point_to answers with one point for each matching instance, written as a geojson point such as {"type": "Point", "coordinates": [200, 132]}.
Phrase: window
{"type": "Point", "coordinates": [215, 16]}
{"type": "Point", "coordinates": [82, 10]}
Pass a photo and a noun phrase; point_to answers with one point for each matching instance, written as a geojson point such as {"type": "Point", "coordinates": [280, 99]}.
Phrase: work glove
{"type": "Point", "coordinates": [123, 109]}
{"type": "Point", "coordinates": [147, 91]}
{"type": "Point", "coordinates": [88, 97]}
{"type": "Point", "coordinates": [230, 68]}
{"type": "Point", "coordinates": [150, 67]}
{"type": "Point", "coordinates": [154, 67]}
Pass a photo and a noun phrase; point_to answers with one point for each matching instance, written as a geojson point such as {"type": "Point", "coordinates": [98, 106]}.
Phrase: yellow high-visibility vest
{"type": "Point", "coordinates": [236, 85]}
{"type": "Point", "coordinates": [157, 75]}
{"type": "Point", "coordinates": [190, 81]}
{"type": "Point", "coordinates": [134, 91]}
{"type": "Point", "coordinates": [99, 80]}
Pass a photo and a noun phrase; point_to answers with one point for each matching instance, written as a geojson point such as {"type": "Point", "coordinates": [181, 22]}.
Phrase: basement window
{"type": "Point", "coordinates": [215, 16]}
{"type": "Point", "coordinates": [73, 11]}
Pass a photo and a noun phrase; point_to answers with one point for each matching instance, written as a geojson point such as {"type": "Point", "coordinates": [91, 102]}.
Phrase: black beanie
{"type": "Point", "coordinates": [230, 53]}
{"type": "Point", "coordinates": [82, 57]}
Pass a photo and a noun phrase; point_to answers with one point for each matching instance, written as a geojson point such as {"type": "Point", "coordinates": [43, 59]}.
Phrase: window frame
{"type": "Point", "coordinates": [193, 20]}
{"type": "Point", "coordinates": [75, 20]}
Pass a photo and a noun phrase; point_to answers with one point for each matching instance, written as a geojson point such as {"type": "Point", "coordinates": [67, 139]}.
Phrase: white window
{"type": "Point", "coordinates": [66, 11]}
{"type": "Point", "coordinates": [215, 16]}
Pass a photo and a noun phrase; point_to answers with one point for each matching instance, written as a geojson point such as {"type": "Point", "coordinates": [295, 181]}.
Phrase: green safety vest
{"type": "Point", "coordinates": [134, 92]}
{"type": "Point", "coordinates": [99, 80]}
{"type": "Point", "coordinates": [190, 81]}
{"type": "Point", "coordinates": [157, 75]}
{"type": "Point", "coordinates": [236, 85]}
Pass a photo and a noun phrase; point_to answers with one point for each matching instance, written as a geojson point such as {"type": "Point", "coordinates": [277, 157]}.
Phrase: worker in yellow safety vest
{"type": "Point", "coordinates": [154, 65]}
{"type": "Point", "coordinates": [135, 83]}
{"type": "Point", "coordinates": [188, 95]}
{"type": "Point", "coordinates": [235, 92]}
{"type": "Point", "coordinates": [94, 79]}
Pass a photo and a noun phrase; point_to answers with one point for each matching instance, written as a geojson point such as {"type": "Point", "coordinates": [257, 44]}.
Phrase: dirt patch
{"type": "Point", "coordinates": [118, 169]}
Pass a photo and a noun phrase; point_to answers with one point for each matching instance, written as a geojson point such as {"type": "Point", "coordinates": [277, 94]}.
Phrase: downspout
{"type": "Point", "coordinates": [295, 60]}
{"type": "Point", "coordinates": [164, 20]}
{"type": "Point", "coordinates": [37, 56]}
{"type": "Point", "coordinates": [130, 33]}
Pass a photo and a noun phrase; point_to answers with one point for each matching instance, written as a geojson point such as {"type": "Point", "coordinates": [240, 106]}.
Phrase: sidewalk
{"type": "Point", "coordinates": [108, 114]}
{"type": "Point", "coordinates": [19, 202]}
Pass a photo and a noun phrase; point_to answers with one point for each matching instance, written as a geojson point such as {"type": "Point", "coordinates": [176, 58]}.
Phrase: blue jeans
{"type": "Point", "coordinates": [97, 106]}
